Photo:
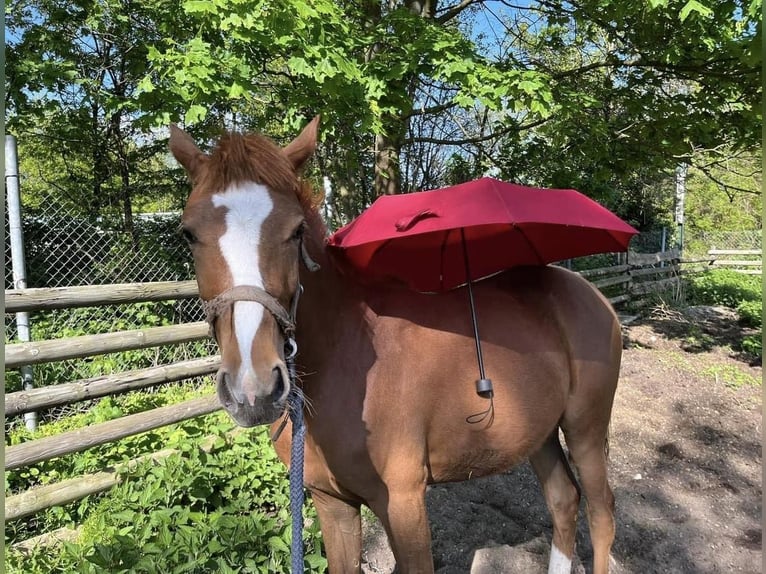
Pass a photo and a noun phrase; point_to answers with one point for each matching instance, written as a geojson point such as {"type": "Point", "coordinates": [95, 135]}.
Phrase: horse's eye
{"type": "Point", "coordinates": [298, 233]}
{"type": "Point", "coordinates": [188, 236]}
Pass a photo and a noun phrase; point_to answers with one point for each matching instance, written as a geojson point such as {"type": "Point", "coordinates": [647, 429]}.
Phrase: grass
{"type": "Point", "coordinates": [731, 376]}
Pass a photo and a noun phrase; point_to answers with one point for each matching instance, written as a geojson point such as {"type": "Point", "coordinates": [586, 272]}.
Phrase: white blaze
{"type": "Point", "coordinates": [248, 204]}
{"type": "Point", "coordinates": [559, 564]}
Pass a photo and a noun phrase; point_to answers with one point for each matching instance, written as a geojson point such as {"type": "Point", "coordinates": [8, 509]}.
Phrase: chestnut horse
{"type": "Point", "coordinates": [388, 374]}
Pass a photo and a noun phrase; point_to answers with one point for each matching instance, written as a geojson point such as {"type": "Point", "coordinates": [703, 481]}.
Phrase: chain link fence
{"type": "Point", "coordinates": [698, 244]}
{"type": "Point", "coordinates": [695, 243]}
{"type": "Point", "coordinates": [65, 249]}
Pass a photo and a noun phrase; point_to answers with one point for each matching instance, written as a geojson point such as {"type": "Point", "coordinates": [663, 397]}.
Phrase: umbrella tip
{"type": "Point", "coordinates": [484, 388]}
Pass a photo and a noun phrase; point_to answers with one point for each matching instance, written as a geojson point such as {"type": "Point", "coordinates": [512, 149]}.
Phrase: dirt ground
{"type": "Point", "coordinates": [685, 467]}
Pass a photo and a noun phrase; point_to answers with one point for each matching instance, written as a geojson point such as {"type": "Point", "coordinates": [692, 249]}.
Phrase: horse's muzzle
{"type": "Point", "coordinates": [251, 402]}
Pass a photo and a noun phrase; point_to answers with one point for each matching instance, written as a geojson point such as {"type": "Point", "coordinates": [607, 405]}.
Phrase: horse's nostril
{"type": "Point", "coordinates": [222, 377]}
{"type": "Point", "coordinates": [222, 386]}
{"type": "Point", "coordinates": [279, 384]}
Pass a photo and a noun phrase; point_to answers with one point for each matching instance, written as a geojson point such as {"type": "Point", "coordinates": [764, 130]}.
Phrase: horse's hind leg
{"type": "Point", "coordinates": [587, 446]}
{"type": "Point", "coordinates": [563, 499]}
{"type": "Point", "coordinates": [341, 524]}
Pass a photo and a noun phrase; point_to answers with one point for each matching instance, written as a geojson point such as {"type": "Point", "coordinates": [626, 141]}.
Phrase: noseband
{"type": "Point", "coordinates": [216, 306]}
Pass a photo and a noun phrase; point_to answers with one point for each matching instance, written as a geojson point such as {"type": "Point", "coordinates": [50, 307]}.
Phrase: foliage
{"type": "Point", "coordinates": [726, 196]}
{"type": "Point", "coordinates": [225, 510]}
{"type": "Point", "coordinates": [604, 96]}
{"type": "Point", "coordinates": [99, 457]}
{"type": "Point", "coordinates": [723, 287]}
{"type": "Point", "coordinates": [619, 60]}
{"type": "Point", "coordinates": [71, 84]}
{"type": "Point", "coordinates": [737, 291]}
{"type": "Point", "coordinates": [753, 344]}
{"type": "Point", "coordinates": [751, 313]}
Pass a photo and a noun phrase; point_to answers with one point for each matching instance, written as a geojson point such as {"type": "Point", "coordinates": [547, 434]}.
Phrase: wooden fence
{"type": "Point", "coordinates": [748, 261]}
{"type": "Point", "coordinates": [639, 276]}
{"type": "Point", "coordinates": [41, 497]}
{"type": "Point", "coordinates": [630, 280]}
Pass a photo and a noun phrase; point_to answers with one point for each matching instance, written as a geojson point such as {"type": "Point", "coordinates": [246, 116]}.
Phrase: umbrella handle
{"type": "Point", "coordinates": [407, 223]}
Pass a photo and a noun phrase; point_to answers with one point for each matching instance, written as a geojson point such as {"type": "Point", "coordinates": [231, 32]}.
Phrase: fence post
{"type": "Point", "coordinates": [18, 262]}
{"type": "Point", "coordinates": [681, 171]}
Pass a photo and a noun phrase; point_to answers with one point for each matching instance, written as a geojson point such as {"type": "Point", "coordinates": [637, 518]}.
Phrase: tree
{"type": "Point", "coordinates": [607, 96]}
{"type": "Point", "coordinates": [72, 74]}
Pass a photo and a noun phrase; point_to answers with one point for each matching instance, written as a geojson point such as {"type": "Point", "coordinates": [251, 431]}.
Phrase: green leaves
{"type": "Point", "coordinates": [221, 511]}
{"type": "Point", "coordinates": [696, 7]}
{"type": "Point", "coordinates": [195, 113]}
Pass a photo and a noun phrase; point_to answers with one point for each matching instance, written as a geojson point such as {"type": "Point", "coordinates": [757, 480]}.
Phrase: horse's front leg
{"type": "Point", "coordinates": [341, 525]}
{"type": "Point", "coordinates": [402, 511]}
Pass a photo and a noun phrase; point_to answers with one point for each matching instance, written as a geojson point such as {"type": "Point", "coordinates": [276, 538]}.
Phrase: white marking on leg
{"type": "Point", "coordinates": [248, 204]}
{"type": "Point", "coordinates": [559, 564]}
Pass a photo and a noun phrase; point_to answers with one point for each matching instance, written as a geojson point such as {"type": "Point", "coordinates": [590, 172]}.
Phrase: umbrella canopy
{"type": "Point", "coordinates": [418, 238]}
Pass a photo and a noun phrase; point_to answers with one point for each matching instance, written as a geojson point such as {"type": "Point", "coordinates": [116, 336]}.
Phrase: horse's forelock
{"type": "Point", "coordinates": [240, 158]}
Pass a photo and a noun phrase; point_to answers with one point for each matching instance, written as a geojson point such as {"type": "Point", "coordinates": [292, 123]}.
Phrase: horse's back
{"type": "Point", "coordinates": [526, 303]}
{"type": "Point", "coordinates": [543, 330]}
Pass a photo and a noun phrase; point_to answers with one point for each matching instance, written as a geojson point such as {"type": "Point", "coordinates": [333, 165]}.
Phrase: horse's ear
{"type": "Point", "coordinates": [185, 151]}
{"type": "Point", "coordinates": [302, 148]}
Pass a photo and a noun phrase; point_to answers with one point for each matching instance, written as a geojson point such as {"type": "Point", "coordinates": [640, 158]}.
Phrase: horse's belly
{"type": "Point", "coordinates": [465, 459]}
{"type": "Point", "coordinates": [466, 439]}
{"type": "Point", "coordinates": [474, 464]}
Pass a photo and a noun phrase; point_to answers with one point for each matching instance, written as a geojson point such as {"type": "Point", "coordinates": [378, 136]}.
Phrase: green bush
{"type": "Point", "coordinates": [753, 344]}
{"type": "Point", "coordinates": [723, 287]}
{"type": "Point", "coordinates": [99, 457]}
{"type": "Point", "coordinates": [736, 291]}
{"type": "Point", "coordinates": [751, 313]}
{"type": "Point", "coordinates": [224, 510]}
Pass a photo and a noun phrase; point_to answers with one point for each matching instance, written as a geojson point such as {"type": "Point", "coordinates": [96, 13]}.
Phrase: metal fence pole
{"type": "Point", "coordinates": [18, 262]}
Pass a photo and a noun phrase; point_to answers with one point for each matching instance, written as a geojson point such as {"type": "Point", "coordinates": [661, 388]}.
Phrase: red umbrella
{"type": "Point", "coordinates": [417, 237]}
{"type": "Point", "coordinates": [439, 240]}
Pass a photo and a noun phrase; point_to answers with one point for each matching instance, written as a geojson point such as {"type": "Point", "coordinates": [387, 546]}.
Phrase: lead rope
{"type": "Point", "coordinates": [295, 399]}
{"type": "Point", "coordinates": [297, 447]}
{"type": "Point", "coordinates": [296, 473]}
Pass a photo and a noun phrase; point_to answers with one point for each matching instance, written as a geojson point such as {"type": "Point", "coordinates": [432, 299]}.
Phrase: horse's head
{"type": "Point", "coordinates": [244, 222]}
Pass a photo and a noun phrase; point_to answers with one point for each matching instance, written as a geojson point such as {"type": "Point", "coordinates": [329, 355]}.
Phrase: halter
{"type": "Point", "coordinates": [218, 304]}
{"type": "Point", "coordinates": [286, 321]}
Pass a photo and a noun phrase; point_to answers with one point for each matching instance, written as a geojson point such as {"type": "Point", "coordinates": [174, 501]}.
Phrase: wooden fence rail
{"type": "Point", "coordinates": [36, 352]}
{"type": "Point", "coordinates": [44, 496]}
{"type": "Point", "coordinates": [81, 439]}
{"type": "Point", "coordinates": [747, 261]}
{"type": "Point", "coordinates": [59, 493]}
{"type": "Point", "coordinates": [65, 393]}
{"type": "Point", "coordinates": [41, 299]}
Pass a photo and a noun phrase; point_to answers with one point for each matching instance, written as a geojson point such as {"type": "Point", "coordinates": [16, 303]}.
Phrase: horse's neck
{"type": "Point", "coordinates": [321, 302]}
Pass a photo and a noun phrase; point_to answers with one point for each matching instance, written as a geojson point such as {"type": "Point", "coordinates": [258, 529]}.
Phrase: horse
{"type": "Point", "coordinates": [385, 370]}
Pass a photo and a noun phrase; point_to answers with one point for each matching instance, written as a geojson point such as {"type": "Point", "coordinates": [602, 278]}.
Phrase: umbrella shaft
{"type": "Point", "coordinates": [474, 321]}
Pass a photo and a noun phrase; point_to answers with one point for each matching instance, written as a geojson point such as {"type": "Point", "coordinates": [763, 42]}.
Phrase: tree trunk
{"type": "Point", "coordinates": [127, 203]}
{"type": "Point", "coordinates": [100, 170]}
{"type": "Point", "coordinates": [124, 168]}
{"type": "Point", "coordinates": [387, 172]}
{"type": "Point", "coordinates": [388, 144]}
